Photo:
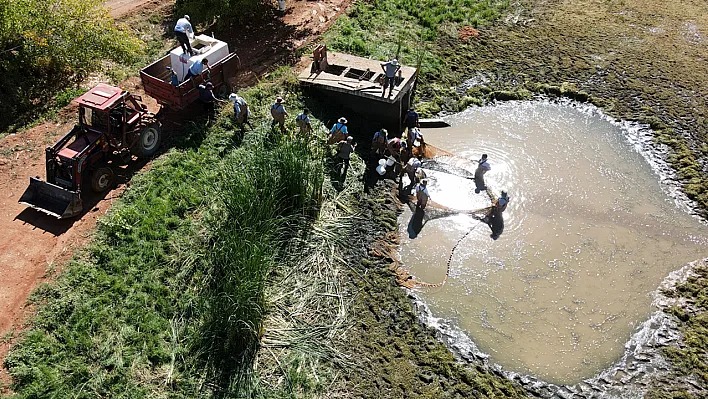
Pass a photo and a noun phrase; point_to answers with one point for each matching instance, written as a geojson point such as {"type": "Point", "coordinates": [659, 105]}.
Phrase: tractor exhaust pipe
{"type": "Point", "coordinates": [51, 199]}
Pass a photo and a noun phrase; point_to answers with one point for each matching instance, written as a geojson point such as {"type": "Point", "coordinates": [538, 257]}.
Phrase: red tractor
{"type": "Point", "coordinates": [113, 124]}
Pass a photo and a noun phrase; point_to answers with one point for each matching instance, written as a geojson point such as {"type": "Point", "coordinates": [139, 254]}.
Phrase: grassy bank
{"type": "Point", "coordinates": [170, 299]}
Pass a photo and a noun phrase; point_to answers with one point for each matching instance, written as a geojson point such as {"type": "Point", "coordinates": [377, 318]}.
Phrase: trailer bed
{"type": "Point", "coordinates": [156, 80]}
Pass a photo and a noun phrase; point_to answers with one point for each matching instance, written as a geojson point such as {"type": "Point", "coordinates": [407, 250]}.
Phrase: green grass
{"type": "Point", "coordinates": [383, 29]}
{"type": "Point", "coordinates": [170, 298]}
{"type": "Point", "coordinates": [409, 30]}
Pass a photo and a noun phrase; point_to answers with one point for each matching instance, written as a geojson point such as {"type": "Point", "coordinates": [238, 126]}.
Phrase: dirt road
{"type": "Point", "coordinates": [31, 243]}
{"type": "Point", "coordinates": [121, 8]}
{"type": "Point", "coordinates": [34, 245]}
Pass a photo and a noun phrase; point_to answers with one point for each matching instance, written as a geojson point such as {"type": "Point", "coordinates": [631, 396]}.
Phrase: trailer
{"type": "Point", "coordinates": [164, 79]}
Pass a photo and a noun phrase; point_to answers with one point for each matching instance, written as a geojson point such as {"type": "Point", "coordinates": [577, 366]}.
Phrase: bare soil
{"type": "Point", "coordinates": [124, 8]}
{"type": "Point", "coordinates": [34, 245]}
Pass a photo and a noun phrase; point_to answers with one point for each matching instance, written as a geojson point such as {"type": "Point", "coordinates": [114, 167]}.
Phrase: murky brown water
{"type": "Point", "coordinates": [589, 233]}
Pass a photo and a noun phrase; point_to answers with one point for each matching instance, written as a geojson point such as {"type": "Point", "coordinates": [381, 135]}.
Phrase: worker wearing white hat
{"type": "Point", "coordinates": [338, 131]}
{"type": "Point", "coordinates": [390, 68]}
{"type": "Point", "coordinates": [278, 112]}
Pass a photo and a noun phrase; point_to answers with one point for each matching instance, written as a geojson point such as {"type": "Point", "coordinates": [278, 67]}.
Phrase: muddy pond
{"type": "Point", "coordinates": [589, 233]}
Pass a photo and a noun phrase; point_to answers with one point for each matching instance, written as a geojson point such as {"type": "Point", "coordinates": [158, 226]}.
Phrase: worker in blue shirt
{"type": "Point", "coordinates": [338, 132]}
{"type": "Point", "coordinates": [182, 28]}
{"type": "Point", "coordinates": [197, 69]}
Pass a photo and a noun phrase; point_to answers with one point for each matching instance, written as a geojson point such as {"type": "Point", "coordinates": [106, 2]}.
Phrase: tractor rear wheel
{"type": "Point", "coordinates": [102, 179]}
{"type": "Point", "coordinates": [148, 141]}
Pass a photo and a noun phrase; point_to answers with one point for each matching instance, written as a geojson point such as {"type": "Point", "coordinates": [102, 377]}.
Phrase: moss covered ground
{"type": "Point", "coordinates": [638, 60]}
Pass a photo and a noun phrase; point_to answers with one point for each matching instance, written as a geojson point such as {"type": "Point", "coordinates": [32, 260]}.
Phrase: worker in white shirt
{"type": "Point", "coordinates": [411, 169]}
{"type": "Point", "coordinates": [241, 111]}
{"type": "Point", "coordinates": [390, 69]}
{"type": "Point", "coordinates": [421, 194]}
{"type": "Point", "coordinates": [182, 29]}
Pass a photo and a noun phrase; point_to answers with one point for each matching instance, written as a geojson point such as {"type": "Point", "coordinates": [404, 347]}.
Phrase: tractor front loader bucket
{"type": "Point", "coordinates": [51, 199]}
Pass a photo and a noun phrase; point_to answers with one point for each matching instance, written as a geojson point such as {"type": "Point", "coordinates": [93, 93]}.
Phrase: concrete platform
{"type": "Point", "coordinates": [356, 82]}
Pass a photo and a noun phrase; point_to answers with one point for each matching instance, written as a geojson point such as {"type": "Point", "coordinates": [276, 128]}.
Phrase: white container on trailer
{"type": "Point", "coordinates": [204, 47]}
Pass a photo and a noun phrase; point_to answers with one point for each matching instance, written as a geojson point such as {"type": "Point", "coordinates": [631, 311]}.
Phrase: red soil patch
{"type": "Point", "coordinates": [467, 32]}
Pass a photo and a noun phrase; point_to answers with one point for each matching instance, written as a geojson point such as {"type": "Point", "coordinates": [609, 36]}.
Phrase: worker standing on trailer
{"type": "Point", "coordinates": [303, 121]}
{"type": "Point", "coordinates": [278, 112]}
{"type": "Point", "coordinates": [182, 29]}
{"type": "Point", "coordinates": [421, 194]}
{"type": "Point", "coordinates": [198, 68]}
{"type": "Point", "coordinates": [390, 69]}
{"type": "Point", "coordinates": [482, 168]}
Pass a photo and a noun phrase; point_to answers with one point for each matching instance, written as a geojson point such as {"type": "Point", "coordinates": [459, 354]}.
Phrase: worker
{"type": "Point", "coordinates": [405, 152]}
{"type": "Point", "coordinates": [378, 143]}
{"type": "Point", "coordinates": [501, 202]}
{"type": "Point", "coordinates": [390, 69]}
{"type": "Point", "coordinates": [182, 29]}
{"type": "Point", "coordinates": [415, 138]}
{"type": "Point", "coordinates": [198, 68]}
{"type": "Point", "coordinates": [345, 148]}
{"type": "Point", "coordinates": [482, 168]}
{"type": "Point", "coordinates": [207, 97]}
{"type": "Point", "coordinates": [174, 80]}
{"type": "Point", "coordinates": [411, 119]}
{"type": "Point", "coordinates": [339, 131]}
{"type": "Point", "coordinates": [421, 194]}
{"type": "Point", "coordinates": [411, 169]}
{"type": "Point", "coordinates": [303, 121]}
{"type": "Point", "coordinates": [241, 111]}
{"type": "Point", "coordinates": [394, 147]}
{"type": "Point", "coordinates": [495, 219]}
{"type": "Point", "coordinates": [278, 112]}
